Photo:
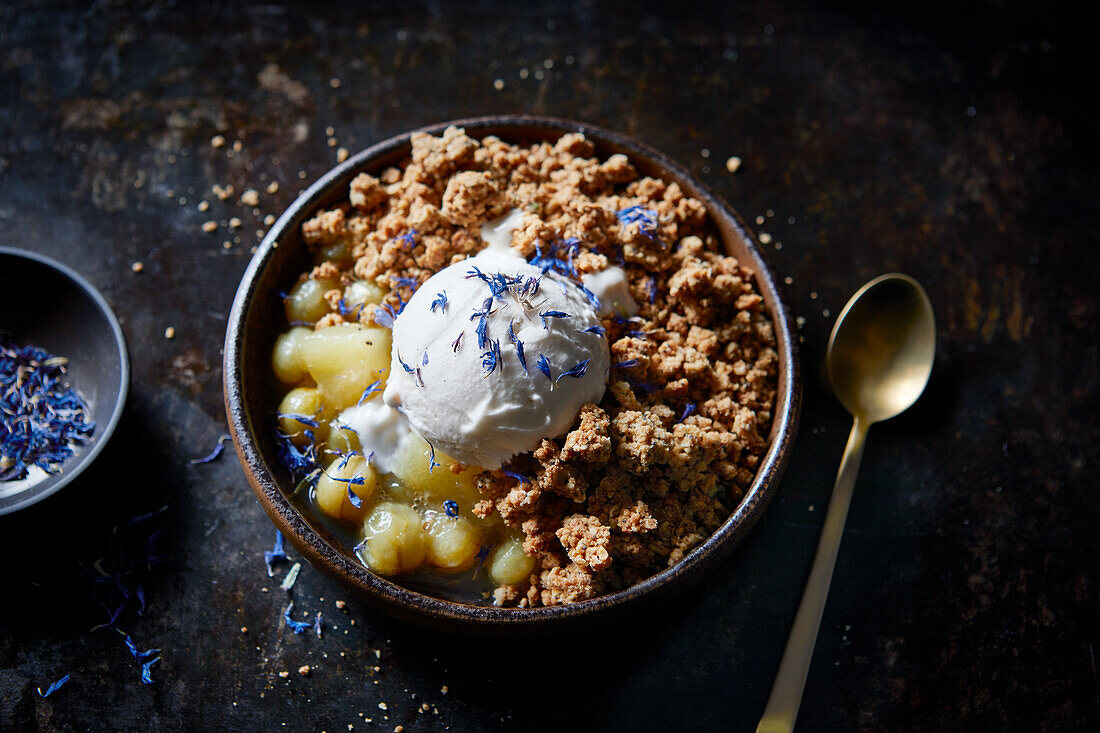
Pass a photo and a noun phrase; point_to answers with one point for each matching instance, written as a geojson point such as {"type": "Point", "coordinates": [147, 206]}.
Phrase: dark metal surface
{"type": "Point", "coordinates": [949, 143]}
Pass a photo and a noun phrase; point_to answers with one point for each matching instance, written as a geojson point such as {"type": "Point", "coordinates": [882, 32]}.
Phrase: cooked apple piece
{"type": "Point", "coordinates": [509, 564]}
{"type": "Point", "coordinates": [345, 359]}
{"type": "Point", "coordinates": [331, 491]}
{"type": "Point", "coordinates": [306, 301]}
{"type": "Point", "coordinates": [413, 466]}
{"type": "Point", "coordinates": [286, 357]}
{"type": "Point", "coordinates": [302, 411]}
{"type": "Point", "coordinates": [453, 542]}
{"type": "Point", "coordinates": [395, 540]}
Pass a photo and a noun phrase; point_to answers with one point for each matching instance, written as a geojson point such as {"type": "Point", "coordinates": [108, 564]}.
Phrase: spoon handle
{"type": "Point", "coordinates": [786, 695]}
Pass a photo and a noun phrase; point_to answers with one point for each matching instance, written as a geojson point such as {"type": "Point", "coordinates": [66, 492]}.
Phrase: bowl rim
{"type": "Point", "coordinates": [410, 604]}
{"type": "Point", "coordinates": [35, 494]}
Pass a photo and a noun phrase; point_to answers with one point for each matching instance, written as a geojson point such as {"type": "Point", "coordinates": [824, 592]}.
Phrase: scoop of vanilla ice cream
{"type": "Point", "coordinates": [491, 355]}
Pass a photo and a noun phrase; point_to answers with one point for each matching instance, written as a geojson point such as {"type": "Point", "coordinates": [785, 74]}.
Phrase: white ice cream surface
{"type": "Point", "coordinates": [498, 234]}
{"type": "Point", "coordinates": [456, 371]}
{"type": "Point", "coordinates": [382, 431]}
{"type": "Point", "coordinates": [611, 287]}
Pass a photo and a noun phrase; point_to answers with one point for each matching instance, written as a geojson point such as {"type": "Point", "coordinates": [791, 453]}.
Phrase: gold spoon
{"type": "Point", "coordinates": [879, 359]}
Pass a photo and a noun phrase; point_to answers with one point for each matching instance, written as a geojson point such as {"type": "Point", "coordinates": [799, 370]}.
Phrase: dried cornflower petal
{"type": "Point", "coordinates": [576, 371]}
{"type": "Point", "coordinates": [141, 656]}
{"type": "Point", "coordinates": [54, 687]}
{"type": "Point", "coordinates": [299, 627]}
{"type": "Point", "coordinates": [276, 554]}
{"type": "Point", "coordinates": [41, 418]}
{"type": "Point", "coordinates": [146, 671]}
{"type": "Point", "coordinates": [213, 454]}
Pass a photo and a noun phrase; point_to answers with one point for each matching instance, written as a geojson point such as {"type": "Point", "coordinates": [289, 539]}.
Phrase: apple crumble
{"type": "Point", "coordinates": [641, 475]}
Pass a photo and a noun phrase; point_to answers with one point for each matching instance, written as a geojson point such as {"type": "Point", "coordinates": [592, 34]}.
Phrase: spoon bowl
{"type": "Point", "coordinates": [881, 350]}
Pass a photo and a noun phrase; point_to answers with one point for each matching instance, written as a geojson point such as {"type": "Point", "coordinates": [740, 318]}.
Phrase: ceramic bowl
{"type": "Point", "coordinates": [74, 321]}
{"type": "Point", "coordinates": [256, 319]}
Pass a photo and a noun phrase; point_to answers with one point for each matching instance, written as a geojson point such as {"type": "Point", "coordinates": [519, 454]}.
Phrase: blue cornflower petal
{"type": "Point", "coordinates": [272, 556]}
{"type": "Point", "coordinates": [544, 366]}
{"type": "Point", "coordinates": [54, 687]}
{"type": "Point", "coordinates": [147, 671]}
{"type": "Point", "coordinates": [576, 372]}
{"type": "Point", "coordinates": [373, 387]}
{"type": "Point", "coordinates": [303, 419]}
{"type": "Point", "coordinates": [552, 314]}
{"type": "Point", "coordinates": [299, 627]}
{"type": "Point", "coordinates": [215, 453]}
{"type": "Point", "coordinates": [139, 655]}
{"type": "Point", "coordinates": [522, 358]}
{"type": "Point", "coordinates": [432, 464]}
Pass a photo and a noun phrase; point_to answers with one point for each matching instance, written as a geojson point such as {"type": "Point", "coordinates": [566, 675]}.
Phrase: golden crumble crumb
{"type": "Point", "coordinates": [235, 223]}
{"type": "Point", "coordinates": [341, 605]}
{"type": "Point", "coordinates": [203, 205]}
{"type": "Point", "coordinates": [137, 266]}
{"type": "Point", "coordinates": [251, 197]}
{"type": "Point", "coordinates": [273, 187]}
{"type": "Point", "coordinates": [304, 670]}
{"type": "Point", "coordinates": [585, 541]}
{"type": "Point", "coordinates": [284, 674]}
{"type": "Point", "coordinates": [469, 196]}
{"type": "Point", "coordinates": [733, 164]}
{"type": "Point", "coordinates": [170, 333]}
{"type": "Point", "coordinates": [341, 155]}
{"type": "Point", "coordinates": [210, 226]}
{"type": "Point", "coordinates": [589, 441]}
{"type": "Point", "coordinates": [217, 141]}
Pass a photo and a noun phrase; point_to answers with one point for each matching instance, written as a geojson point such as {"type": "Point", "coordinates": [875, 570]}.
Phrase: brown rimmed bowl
{"type": "Point", "coordinates": [256, 320]}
